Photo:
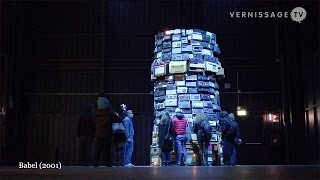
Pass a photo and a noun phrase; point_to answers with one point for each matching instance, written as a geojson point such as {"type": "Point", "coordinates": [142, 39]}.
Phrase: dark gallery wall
{"type": "Point", "coordinates": [57, 55]}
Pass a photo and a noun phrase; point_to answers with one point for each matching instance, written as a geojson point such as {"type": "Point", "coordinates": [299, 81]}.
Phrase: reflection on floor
{"type": "Point", "coordinates": [270, 172]}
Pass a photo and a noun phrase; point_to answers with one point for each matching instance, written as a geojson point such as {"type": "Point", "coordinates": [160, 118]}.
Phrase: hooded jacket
{"type": "Point", "coordinates": [179, 124]}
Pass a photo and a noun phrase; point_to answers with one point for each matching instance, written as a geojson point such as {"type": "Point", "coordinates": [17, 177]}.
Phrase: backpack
{"type": "Point", "coordinates": [231, 127]}
{"type": "Point", "coordinates": [206, 129]}
{"type": "Point", "coordinates": [228, 126]}
{"type": "Point", "coordinates": [118, 128]}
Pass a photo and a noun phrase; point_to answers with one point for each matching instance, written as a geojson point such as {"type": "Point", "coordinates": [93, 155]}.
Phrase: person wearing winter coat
{"type": "Point", "coordinates": [165, 136]}
{"type": "Point", "coordinates": [103, 137]}
{"type": "Point", "coordinates": [236, 140]}
{"type": "Point", "coordinates": [203, 128]}
{"type": "Point", "coordinates": [179, 125]}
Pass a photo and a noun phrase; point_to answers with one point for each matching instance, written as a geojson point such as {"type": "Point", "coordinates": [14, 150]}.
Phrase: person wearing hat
{"type": "Point", "coordinates": [179, 125]}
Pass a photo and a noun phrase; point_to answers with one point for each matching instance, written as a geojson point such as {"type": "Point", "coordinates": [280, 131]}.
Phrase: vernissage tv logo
{"type": "Point", "coordinates": [297, 14]}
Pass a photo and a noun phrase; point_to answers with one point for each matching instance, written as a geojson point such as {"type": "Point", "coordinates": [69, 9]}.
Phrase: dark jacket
{"type": "Point", "coordinates": [163, 132]}
{"type": "Point", "coordinates": [179, 125]}
{"type": "Point", "coordinates": [86, 124]}
{"type": "Point", "coordinates": [203, 130]}
{"type": "Point", "coordinates": [103, 124]}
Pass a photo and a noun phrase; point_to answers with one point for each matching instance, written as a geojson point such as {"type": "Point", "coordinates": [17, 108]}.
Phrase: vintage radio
{"type": "Point", "coordinates": [171, 102]}
{"type": "Point", "coordinates": [198, 67]}
{"type": "Point", "coordinates": [203, 78]}
{"type": "Point", "coordinates": [166, 56]}
{"type": "Point", "coordinates": [180, 83]}
{"type": "Point", "coordinates": [166, 45]}
{"type": "Point", "coordinates": [174, 91]}
{"type": "Point", "coordinates": [176, 44]}
{"type": "Point", "coordinates": [197, 104]}
{"type": "Point", "coordinates": [197, 48]}
{"type": "Point", "coordinates": [191, 84]}
{"type": "Point", "coordinates": [177, 57]}
{"type": "Point", "coordinates": [197, 111]}
{"type": "Point", "coordinates": [184, 97]}
{"type": "Point", "coordinates": [206, 38]}
{"type": "Point", "coordinates": [195, 97]}
{"type": "Point", "coordinates": [158, 93]}
{"type": "Point", "coordinates": [176, 37]}
{"type": "Point", "coordinates": [203, 84]}
{"type": "Point", "coordinates": [159, 99]}
{"type": "Point", "coordinates": [210, 66]}
{"type": "Point", "coordinates": [160, 70]}
{"type": "Point", "coordinates": [177, 31]}
{"type": "Point", "coordinates": [182, 89]}
{"type": "Point", "coordinates": [192, 90]}
{"type": "Point", "coordinates": [186, 111]}
{"type": "Point", "coordinates": [205, 97]}
{"type": "Point", "coordinates": [189, 31]}
{"type": "Point", "coordinates": [191, 77]}
{"type": "Point", "coordinates": [159, 106]}
{"type": "Point", "coordinates": [167, 37]}
{"type": "Point", "coordinates": [206, 52]}
{"type": "Point", "coordinates": [186, 48]}
{"type": "Point", "coordinates": [184, 40]}
{"type": "Point", "coordinates": [171, 86]}
{"type": "Point", "coordinates": [177, 67]}
{"type": "Point", "coordinates": [171, 96]}
{"type": "Point", "coordinates": [176, 50]}
{"type": "Point", "coordinates": [184, 104]}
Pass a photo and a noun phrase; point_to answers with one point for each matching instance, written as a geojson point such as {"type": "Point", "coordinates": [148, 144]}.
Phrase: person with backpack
{"type": "Point", "coordinates": [165, 138]}
{"type": "Point", "coordinates": [103, 136]}
{"type": "Point", "coordinates": [228, 129]}
{"type": "Point", "coordinates": [236, 140]}
{"type": "Point", "coordinates": [119, 138]}
{"type": "Point", "coordinates": [203, 129]}
{"type": "Point", "coordinates": [179, 126]}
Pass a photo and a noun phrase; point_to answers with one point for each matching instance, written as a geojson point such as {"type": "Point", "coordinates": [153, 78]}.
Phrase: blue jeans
{"type": "Point", "coordinates": [234, 155]}
{"type": "Point", "coordinates": [181, 148]}
{"type": "Point", "coordinates": [128, 149]}
{"type": "Point", "coordinates": [165, 157]}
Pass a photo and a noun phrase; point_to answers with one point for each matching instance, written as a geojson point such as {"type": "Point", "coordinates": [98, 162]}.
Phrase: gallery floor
{"type": "Point", "coordinates": [246, 172]}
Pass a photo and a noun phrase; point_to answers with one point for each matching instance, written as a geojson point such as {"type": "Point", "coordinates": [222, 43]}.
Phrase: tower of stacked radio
{"type": "Point", "coordinates": [185, 72]}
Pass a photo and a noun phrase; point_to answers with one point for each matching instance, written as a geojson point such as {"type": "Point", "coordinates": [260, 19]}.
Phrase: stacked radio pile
{"type": "Point", "coordinates": [185, 71]}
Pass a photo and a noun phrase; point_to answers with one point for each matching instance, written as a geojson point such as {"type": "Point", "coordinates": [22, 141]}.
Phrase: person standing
{"type": "Point", "coordinates": [228, 130]}
{"type": "Point", "coordinates": [236, 140]}
{"type": "Point", "coordinates": [103, 134]}
{"type": "Point", "coordinates": [179, 125]}
{"type": "Point", "coordinates": [165, 141]}
{"type": "Point", "coordinates": [203, 129]}
{"type": "Point", "coordinates": [128, 148]}
{"type": "Point", "coordinates": [85, 134]}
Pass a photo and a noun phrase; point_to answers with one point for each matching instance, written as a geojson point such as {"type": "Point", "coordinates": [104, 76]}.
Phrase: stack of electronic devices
{"type": "Point", "coordinates": [185, 72]}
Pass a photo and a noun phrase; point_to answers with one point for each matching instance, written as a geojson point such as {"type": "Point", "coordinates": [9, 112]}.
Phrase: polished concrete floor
{"type": "Point", "coordinates": [268, 172]}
